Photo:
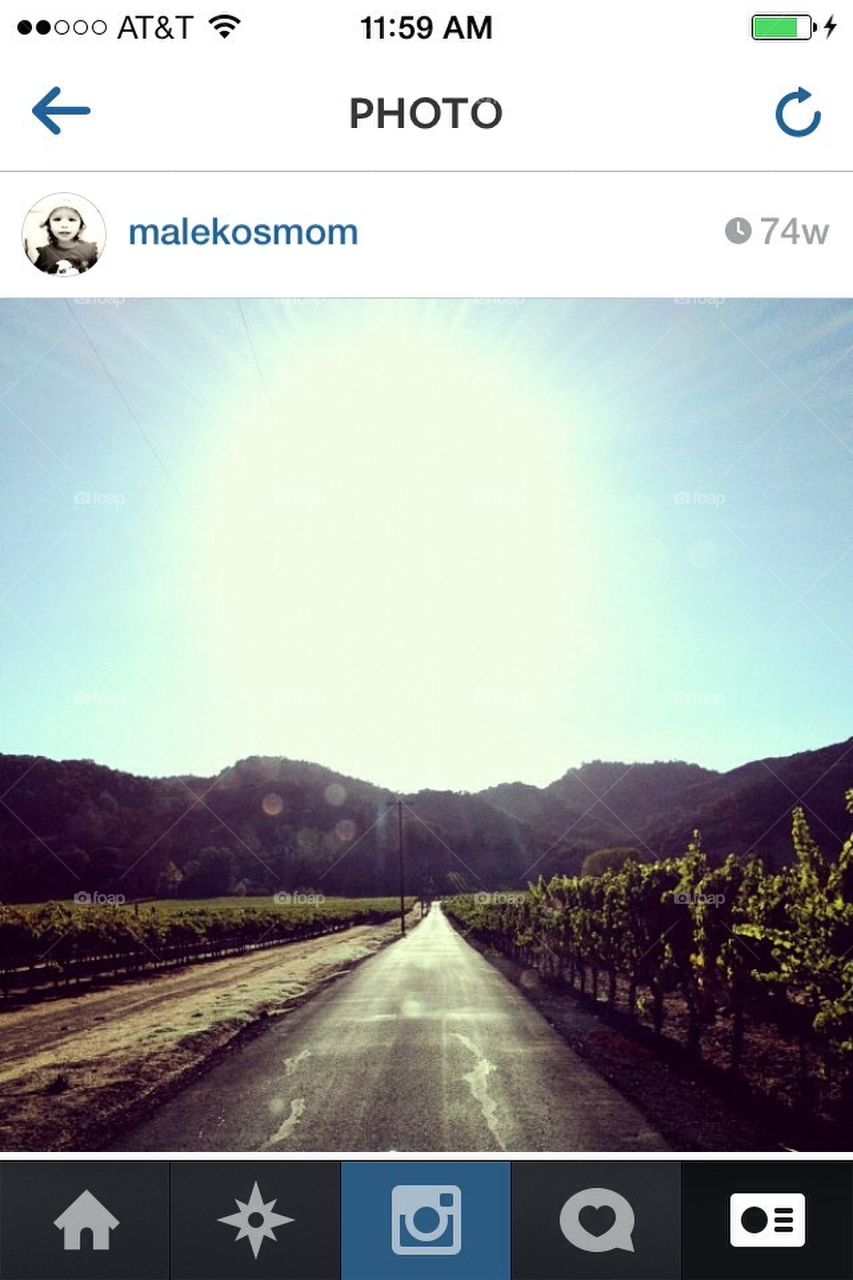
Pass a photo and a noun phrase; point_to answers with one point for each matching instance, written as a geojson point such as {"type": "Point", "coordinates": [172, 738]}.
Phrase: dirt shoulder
{"type": "Point", "coordinates": [75, 1069]}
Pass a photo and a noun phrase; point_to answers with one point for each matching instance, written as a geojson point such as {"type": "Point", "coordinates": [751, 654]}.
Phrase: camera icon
{"type": "Point", "coordinates": [426, 1220]}
{"type": "Point", "coordinates": [81, 897]}
{"type": "Point", "coordinates": [682, 899]}
{"type": "Point", "coordinates": [282, 898]}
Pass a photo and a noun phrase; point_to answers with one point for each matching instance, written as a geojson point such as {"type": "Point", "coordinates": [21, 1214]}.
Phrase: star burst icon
{"type": "Point", "coordinates": [256, 1220]}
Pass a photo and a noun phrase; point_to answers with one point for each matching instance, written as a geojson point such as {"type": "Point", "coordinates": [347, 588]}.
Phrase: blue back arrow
{"type": "Point", "coordinates": [45, 109]}
{"type": "Point", "coordinates": [800, 95]}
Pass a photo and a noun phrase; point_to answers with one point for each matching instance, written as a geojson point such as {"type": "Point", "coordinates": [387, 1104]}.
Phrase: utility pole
{"type": "Point", "coordinates": [398, 804]}
{"type": "Point", "coordinates": [400, 857]}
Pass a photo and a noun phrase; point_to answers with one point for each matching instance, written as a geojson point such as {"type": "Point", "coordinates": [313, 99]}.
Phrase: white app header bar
{"type": "Point", "coordinates": [375, 235]}
{"type": "Point", "coordinates": [538, 85]}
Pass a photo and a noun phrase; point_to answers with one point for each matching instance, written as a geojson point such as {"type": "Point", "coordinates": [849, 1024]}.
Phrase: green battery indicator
{"type": "Point", "coordinates": [783, 26]}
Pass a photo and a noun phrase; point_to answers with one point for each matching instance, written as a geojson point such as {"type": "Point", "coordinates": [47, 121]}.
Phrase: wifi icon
{"type": "Point", "coordinates": [225, 23]}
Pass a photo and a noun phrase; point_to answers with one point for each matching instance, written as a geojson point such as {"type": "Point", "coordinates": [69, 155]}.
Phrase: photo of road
{"type": "Point", "coordinates": [424, 1047]}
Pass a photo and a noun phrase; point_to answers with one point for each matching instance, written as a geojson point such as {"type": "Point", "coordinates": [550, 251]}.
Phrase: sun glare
{"type": "Point", "coordinates": [387, 522]}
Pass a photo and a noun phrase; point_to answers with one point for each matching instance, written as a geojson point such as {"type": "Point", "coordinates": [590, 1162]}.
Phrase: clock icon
{"type": "Point", "coordinates": [738, 230]}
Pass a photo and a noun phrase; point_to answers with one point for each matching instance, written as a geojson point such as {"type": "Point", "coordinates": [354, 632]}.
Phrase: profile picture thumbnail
{"type": "Point", "coordinates": [64, 235]}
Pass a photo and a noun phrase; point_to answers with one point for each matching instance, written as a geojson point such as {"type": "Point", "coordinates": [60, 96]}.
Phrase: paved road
{"type": "Point", "coordinates": [424, 1047]}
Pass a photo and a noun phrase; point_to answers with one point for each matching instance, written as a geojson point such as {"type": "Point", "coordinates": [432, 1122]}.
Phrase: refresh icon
{"type": "Point", "coordinates": [799, 95]}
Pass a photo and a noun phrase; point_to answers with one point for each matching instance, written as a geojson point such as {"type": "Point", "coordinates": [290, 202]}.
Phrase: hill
{"type": "Point", "coordinates": [267, 823]}
{"type": "Point", "coordinates": [656, 807]}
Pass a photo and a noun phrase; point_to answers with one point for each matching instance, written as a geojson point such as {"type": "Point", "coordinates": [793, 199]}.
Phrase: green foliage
{"type": "Point", "coordinates": [737, 941]}
{"type": "Point", "coordinates": [62, 942]}
{"type": "Point", "coordinates": [595, 864]}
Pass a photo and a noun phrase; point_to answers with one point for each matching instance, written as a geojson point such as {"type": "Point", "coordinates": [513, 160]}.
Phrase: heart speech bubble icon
{"type": "Point", "coordinates": [618, 1234]}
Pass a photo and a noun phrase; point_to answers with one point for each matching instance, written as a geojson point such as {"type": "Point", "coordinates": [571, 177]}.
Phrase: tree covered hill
{"type": "Point", "coordinates": [268, 823]}
{"type": "Point", "coordinates": [656, 807]}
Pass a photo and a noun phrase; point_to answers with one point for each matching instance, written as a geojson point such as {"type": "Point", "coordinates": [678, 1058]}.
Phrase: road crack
{"type": "Point", "coordinates": [477, 1080]}
{"type": "Point", "coordinates": [283, 1132]}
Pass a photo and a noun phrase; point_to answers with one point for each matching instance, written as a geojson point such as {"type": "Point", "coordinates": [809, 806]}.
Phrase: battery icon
{"type": "Point", "coordinates": [782, 26]}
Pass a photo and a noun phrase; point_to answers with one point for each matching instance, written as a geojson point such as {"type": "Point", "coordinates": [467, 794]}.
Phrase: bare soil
{"type": "Point", "coordinates": [73, 1070]}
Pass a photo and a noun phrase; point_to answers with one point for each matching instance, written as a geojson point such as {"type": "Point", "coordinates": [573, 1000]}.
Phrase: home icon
{"type": "Point", "coordinates": [86, 1214]}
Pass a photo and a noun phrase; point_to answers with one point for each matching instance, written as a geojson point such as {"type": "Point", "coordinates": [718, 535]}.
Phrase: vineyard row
{"type": "Point", "coordinates": [736, 946]}
{"type": "Point", "coordinates": [56, 944]}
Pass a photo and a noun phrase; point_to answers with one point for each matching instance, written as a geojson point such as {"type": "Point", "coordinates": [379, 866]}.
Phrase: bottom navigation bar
{"type": "Point", "coordinates": [447, 1220]}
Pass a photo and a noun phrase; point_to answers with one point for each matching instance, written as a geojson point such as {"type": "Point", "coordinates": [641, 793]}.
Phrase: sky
{"type": "Point", "coordinates": [428, 544]}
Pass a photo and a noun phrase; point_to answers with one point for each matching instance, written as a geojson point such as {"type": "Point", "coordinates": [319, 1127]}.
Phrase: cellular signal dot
{"type": "Point", "coordinates": [25, 27]}
{"type": "Point", "coordinates": [43, 27]}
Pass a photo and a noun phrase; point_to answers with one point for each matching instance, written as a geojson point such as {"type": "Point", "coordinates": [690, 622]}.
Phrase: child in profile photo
{"type": "Point", "coordinates": [66, 253]}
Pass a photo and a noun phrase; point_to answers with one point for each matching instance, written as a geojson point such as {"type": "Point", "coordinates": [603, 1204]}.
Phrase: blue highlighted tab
{"type": "Point", "coordinates": [428, 1220]}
